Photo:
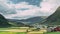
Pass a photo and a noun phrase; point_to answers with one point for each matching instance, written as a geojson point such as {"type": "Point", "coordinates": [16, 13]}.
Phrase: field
{"type": "Point", "coordinates": [22, 31]}
{"type": "Point", "coordinates": [53, 33]}
{"type": "Point", "coordinates": [12, 32]}
{"type": "Point", "coordinates": [25, 33]}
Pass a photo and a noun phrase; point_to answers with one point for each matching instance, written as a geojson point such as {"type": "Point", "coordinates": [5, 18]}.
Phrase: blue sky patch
{"type": "Point", "coordinates": [31, 2]}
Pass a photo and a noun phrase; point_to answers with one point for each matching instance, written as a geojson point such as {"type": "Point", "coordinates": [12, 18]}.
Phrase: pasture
{"type": "Point", "coordinates": [23, 30]}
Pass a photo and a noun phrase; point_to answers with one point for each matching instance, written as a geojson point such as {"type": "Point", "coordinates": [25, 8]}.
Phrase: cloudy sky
{"type": "Point", "coordinates": [23, 9]}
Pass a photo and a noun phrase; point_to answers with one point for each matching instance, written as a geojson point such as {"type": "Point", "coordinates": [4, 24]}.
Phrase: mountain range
{"type": "Point", "coordinates": [28, 21]}
{"type": "Point", "coordinates": [53, 19]}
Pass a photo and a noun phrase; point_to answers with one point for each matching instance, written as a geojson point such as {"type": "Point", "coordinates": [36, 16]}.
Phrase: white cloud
{"type": "Point", "coordinates": [33, 10]}
{"type": "Point", "coordinates": [5, 8]}
{"type": "Point", "coordinates": [47, 8]}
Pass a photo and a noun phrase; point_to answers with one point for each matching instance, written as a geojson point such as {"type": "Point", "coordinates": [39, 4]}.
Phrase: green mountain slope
{"type": "Point", "coordinates": [54, 19]}
{"type": "Point", "coordinates": [3, 22]}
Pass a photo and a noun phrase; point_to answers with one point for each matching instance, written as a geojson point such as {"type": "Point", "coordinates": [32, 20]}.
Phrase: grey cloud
{"type": "Point", "coordinates": [4, 9]}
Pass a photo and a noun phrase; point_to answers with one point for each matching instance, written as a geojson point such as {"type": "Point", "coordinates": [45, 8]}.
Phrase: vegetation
{"type": "Point", "coordinates": [3, 22]}
{"type": "Point", "coordinates": [12, 32]}
{"type": "Point", "coordinates": [54, 19]}
{"type": "Point", "coordinates": [53, 33]}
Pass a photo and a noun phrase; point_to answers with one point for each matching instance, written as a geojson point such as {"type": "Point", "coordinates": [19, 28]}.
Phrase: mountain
{"type": "Point", "coordinates": [54, 19]}
{"type": "Point", "coordinates": [15, 22]}
{"type": "Point", "coordinates": [28, 21]}
{"type": "Point", "coordinates": [18, 24]}
{"type": "Point", "coordinates": [3, 21]}
{"type": "Point", "coordinates": [44, 17]}
{"type": "Point", "coordinates": [32, 20]}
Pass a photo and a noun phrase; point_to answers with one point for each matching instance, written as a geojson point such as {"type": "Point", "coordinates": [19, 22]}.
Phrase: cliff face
{"type": "Point", "coordinates": [3, 22]}
{"type": "Point", "coordinates": [54, 18]}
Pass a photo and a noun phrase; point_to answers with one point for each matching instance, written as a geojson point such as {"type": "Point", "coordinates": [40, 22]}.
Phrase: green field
{"type": "Point", "coordinates": [13, 33]}
{"type": "Point", "coordinates": [10, 32]}
{"type": "Point", "coordinates": [6, 32]}
{"type": "Point", "coordinates": [53, 33]}
{"type": "Point", "coordinates": [25, 33]}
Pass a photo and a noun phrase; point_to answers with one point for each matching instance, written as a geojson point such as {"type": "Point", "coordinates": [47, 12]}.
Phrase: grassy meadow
{"type": "Point", "coordinates": [2, 32]}
{"type": "Point", "coordinates": [53, 33]}
{"type": "Point", "coordinates": [19, 30]}
{"type": "Point", "coordinates": [8, 31]}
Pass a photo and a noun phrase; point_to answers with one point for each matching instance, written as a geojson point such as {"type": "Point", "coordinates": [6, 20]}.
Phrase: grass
{"type": "Point", "coordinates": [53, 33]}
{"type": "Point", "coordinates": [12, 32]}
{"type": "Point", "coordinates": [25, 32]}
{"type": "Point", "coordinates": [8, 28]}
{"type": "Point", "coordinates": [4, 28]}
{"type": "Point", "coordinates": [6, 32]}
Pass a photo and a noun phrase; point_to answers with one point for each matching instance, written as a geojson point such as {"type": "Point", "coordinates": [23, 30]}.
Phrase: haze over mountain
{"type": "Point", "coordinates": [6, 23]}
{"type": "Point", "coordinates": [31, 20]}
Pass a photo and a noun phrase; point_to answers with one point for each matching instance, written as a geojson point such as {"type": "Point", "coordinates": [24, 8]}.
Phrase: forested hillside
{"type": "Point", "coordinates": [3, 21]}
{"type": "Point", "coordinates": [54, 18]}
